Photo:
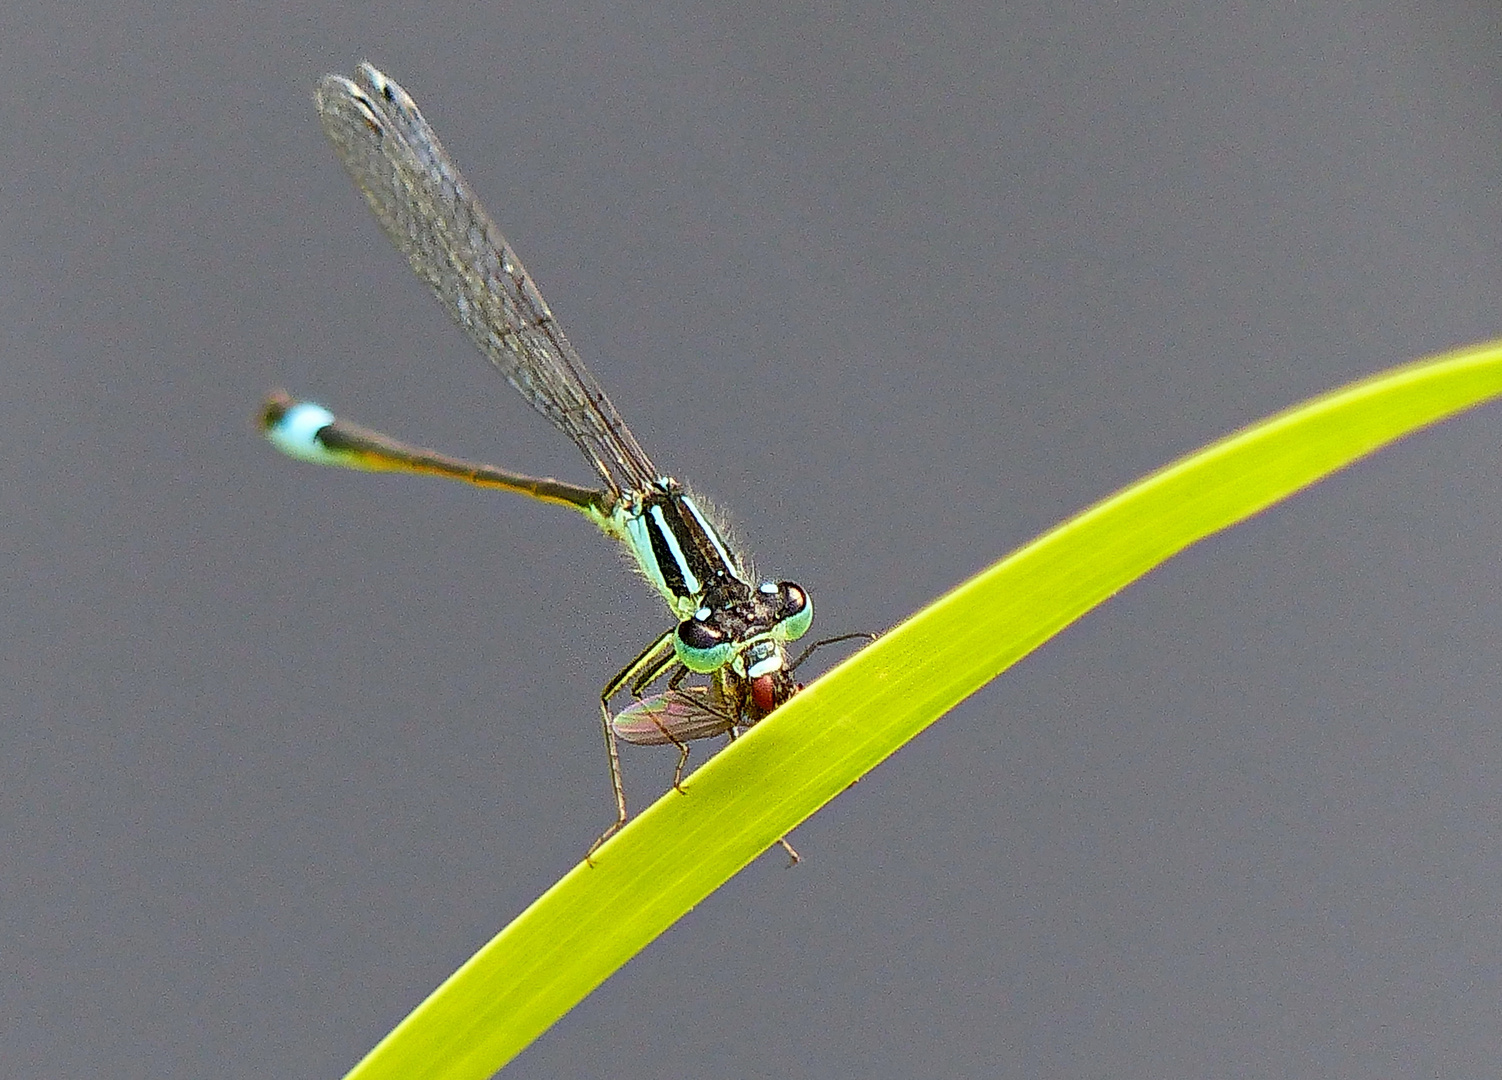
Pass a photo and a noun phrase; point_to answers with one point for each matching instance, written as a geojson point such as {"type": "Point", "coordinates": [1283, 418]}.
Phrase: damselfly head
{"type": "Point", "coordinates": [748, 633]}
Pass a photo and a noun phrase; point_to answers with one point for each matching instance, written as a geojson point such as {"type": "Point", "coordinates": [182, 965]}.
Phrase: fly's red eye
{"type": "Point", "coordinates": [764, 694]}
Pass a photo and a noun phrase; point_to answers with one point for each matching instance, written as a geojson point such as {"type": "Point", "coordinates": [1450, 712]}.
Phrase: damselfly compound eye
{"type": "Point", "coordinates": [701, 647]}
{"type": "Point", "coordinates": [796, 612]}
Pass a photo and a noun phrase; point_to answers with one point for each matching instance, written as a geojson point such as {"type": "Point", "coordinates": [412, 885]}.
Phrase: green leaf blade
{"type": "Point", "coordinates": [683, 847]}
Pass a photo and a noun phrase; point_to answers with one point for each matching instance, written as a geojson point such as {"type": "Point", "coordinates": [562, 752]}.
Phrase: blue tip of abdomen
{"type": "Point", "coordinates": [295, 432]}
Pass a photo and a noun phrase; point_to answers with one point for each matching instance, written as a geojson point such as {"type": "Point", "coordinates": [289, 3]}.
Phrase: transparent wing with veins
{"type": "Point", "coordinates": [431, 215]}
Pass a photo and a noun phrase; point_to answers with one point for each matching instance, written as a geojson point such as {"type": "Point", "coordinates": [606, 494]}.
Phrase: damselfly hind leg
{"type": "Point", "coordinates": [613, 752]}
{"type": "Point", "coordinates": [648, 659]}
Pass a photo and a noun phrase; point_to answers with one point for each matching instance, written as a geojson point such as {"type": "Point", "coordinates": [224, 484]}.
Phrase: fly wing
{"type": "Point", "coordinates": [431, 215]}
{"type": "Point", "coordinates": [682, 715]}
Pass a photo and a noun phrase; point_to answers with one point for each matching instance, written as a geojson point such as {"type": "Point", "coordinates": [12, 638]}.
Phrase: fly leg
{"type": "Point", "coordinates": [793, 857]}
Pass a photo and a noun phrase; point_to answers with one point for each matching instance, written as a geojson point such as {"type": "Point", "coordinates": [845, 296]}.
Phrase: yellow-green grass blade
{"type": "Point", "coordinates": [682, 848]}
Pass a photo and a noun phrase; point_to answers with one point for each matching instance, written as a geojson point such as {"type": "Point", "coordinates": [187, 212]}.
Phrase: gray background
{"type": "Point", "coordinates": [900, 286]}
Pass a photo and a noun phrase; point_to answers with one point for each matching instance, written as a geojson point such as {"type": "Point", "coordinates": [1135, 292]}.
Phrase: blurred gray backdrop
{"type": "Point", "coordinates": [898, 286]}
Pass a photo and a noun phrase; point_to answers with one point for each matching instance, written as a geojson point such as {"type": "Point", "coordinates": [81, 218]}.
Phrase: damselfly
{"type": "Point", "coordinates": [729, 629]}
